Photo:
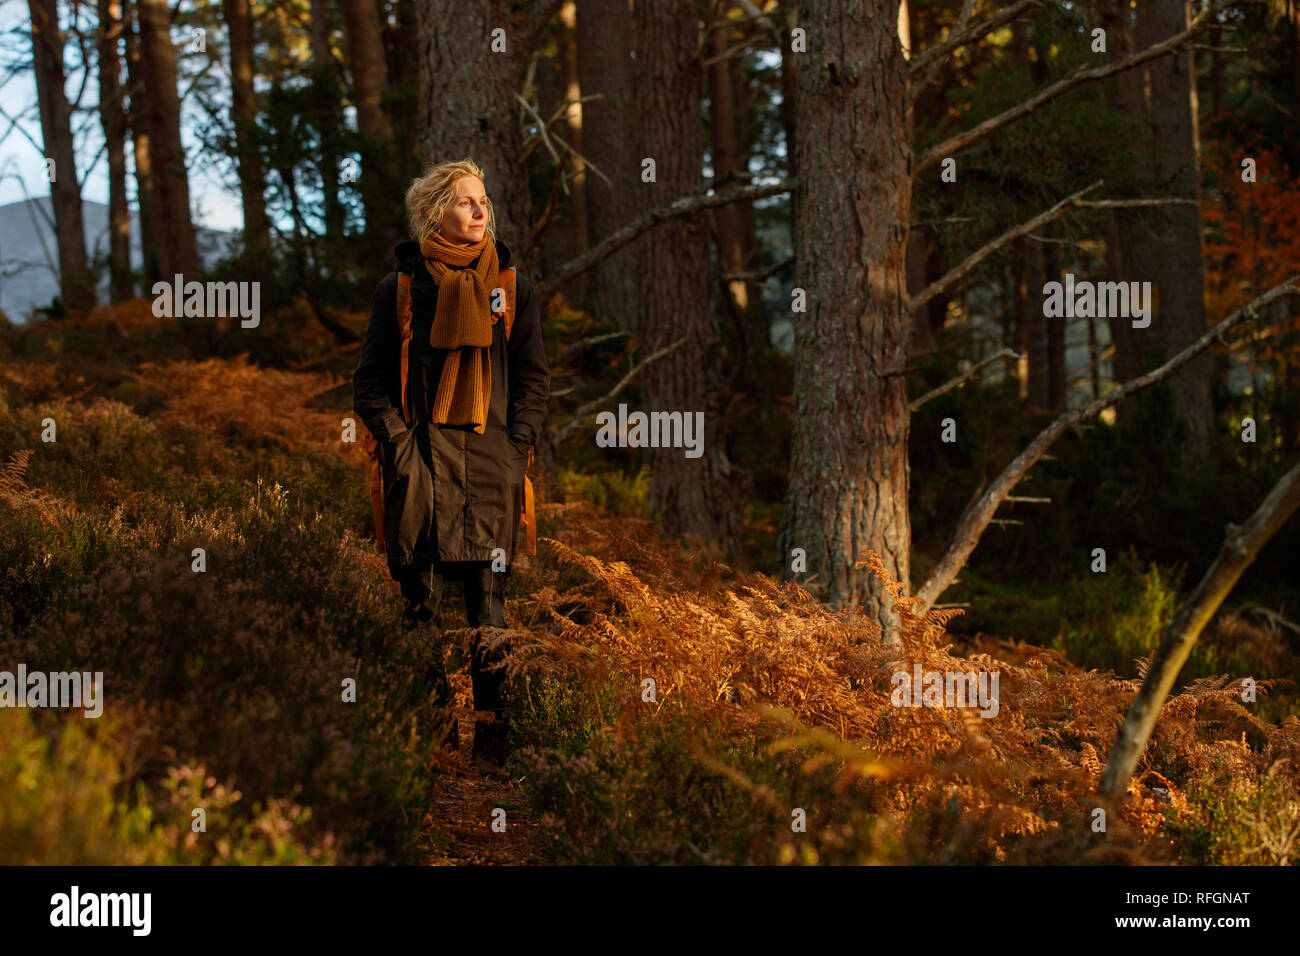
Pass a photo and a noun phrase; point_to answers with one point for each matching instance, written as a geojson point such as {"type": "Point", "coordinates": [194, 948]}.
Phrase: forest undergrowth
{"type": "Point", "coordinates": [667, 709]}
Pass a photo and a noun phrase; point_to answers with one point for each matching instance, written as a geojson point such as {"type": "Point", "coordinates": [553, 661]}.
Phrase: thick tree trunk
{"type": "Point", "coordinates": [458, 67]}
{"type": "Point", "coordinates": [1122, 242]}
{"type": "Point", "coordinates": [113, 118]}
{"type": "Point", "coordinates": [729, 220]}
{"type": "Point", "coordinates": [703, 496]}
{"type": "Point", "coordinates": [140, 118]}
{"type": "Point", "coordinates": [177, 251]}
{"type": "Point", "coordinates": [1179, 270]}
{"type": "Point", "coordinates": [745, 133]}
{"type": "Point", "coordinates": [608, 126]}
{"type": "Point", "coordinates": [324, 69]}
{"type": "Point", "coordinates": [75, 281]}
{"type": "Point", "coordinates": [575, 207]}
{"type": "Point", "coordinates": [252, 185]}
{"type": "Point", "coordinates": [1163, 246]}
{"type": "Point", "coordinates": [849, 478]}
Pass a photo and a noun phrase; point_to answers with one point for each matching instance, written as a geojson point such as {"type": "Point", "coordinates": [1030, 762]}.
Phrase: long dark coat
{"type": "Point", "coordinates": [450, 495]}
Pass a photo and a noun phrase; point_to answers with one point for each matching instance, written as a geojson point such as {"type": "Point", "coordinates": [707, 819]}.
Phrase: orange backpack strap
{"type": "Point", "coordinates": [404, 330]}
{"type": "Point", "coordinates": [529, 514]}
{"type": "Point", "coordinates": [376, 487]}
{"type": "Point", "coordinates": [507, 279]}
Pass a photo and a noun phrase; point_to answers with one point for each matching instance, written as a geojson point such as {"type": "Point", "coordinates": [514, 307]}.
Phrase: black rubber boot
{"type": "Point", "coordinates": [485, 601]}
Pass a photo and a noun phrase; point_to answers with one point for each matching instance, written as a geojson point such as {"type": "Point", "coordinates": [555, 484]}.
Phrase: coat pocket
{"type": "Point", "coordinates": [408, 498]}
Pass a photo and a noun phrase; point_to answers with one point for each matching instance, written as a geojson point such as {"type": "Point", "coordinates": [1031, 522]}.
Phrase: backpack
{"type": "Point", "coordinates": [373, 452]}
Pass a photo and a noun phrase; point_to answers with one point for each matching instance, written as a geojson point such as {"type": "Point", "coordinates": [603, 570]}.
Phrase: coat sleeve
{"type": "Point", "coordinates": [530, 379]}
{"type": "Point", "coordinates": [377, 379]}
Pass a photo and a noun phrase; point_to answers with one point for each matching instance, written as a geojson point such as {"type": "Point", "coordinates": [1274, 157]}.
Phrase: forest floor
{"type": "Point", "coordinates": [459, 828]}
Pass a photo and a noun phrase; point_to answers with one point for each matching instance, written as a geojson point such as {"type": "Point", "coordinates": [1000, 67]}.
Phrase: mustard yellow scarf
{"type": "Point", "coordinates": [462, 324]}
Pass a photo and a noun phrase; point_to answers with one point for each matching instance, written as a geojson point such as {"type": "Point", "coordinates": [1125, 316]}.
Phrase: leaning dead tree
{"type": "Point", "coordinates": [1240, 547]}
{"type": "Point", "coordinates": [979, 514]}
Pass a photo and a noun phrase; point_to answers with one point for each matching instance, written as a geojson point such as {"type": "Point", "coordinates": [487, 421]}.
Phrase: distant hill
{"type": "Point", "coordinates": [29, 257]}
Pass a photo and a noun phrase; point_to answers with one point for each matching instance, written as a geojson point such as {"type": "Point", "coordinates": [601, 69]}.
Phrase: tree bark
{"type": "Point", "coordinates": [605, 67]}
{"type": "Point", "coordinates": [702, 497]}
{"type": "Point", "coordinates": [790, 61]}
{"type": "Point", "coordinates": [252, 184]}
{"type": "Point", "coordinates": [140, 119]}
{"type": "Point", "coordinates": [369, 83]}
{"type": "Point", "coordinates": [458, 66]}
{"type": "Point", "coordinates": [177, 250]}
{"type": "Point", "coordinates": [576, 206]}
{"type": "Point", "coordinates": [1178, 270]}
{"type": "Point", "coordinates": [75, 280]}
{"type": "Point", "coordinates": [1240, 547]}
{"type": "Point", "coordinates": [112, 117]}
{"type": "Point", "coordinates": [728, 220]}
{"type": "Point", "coordinates": [848, 488]}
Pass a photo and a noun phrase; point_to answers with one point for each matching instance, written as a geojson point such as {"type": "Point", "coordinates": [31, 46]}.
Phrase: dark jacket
{"type": "Point", "coordinates": [449, 494]}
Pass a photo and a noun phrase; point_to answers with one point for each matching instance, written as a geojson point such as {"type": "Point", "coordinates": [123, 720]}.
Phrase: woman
{"type": "Point", "coordinates": [454, 448]}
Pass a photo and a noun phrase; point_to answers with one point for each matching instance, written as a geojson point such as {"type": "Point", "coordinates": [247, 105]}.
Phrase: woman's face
{"type": "Point", "coordinates": [466, 218]}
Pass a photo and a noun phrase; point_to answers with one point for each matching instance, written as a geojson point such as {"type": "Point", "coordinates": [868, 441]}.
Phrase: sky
{"type": "Point", "coordinates": [22, 167]}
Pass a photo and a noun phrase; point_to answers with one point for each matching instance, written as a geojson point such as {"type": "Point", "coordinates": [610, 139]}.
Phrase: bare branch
{"type": "Point", "coordinates": [582, 344]}
{"type": "Point", "coordinates": [580, 415]}
{"type": "Point", "coordinates": [964, 377]}
{"type": "Point", "coordinates": [1075, 201]}
{"type": "Point", "coordinates": [761, 274]}
{"type": "Point", "coordinates": [978, 514]}
{"type": "Point", "coordinates": [1063, 85]}
{"type": "Point", "coordinates": [686, 206]}
{"type": "Point", "coordinates": [1240, 547]}
{"type": "Point", "coordinates": [960, 37]}
{"type": "Point", "coordinates": [752, 12]}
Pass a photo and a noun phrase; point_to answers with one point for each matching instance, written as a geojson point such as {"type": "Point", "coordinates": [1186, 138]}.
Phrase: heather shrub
{"type": "Point", "coordinates": [1238, 821]}
{"type": "Point", "coordinates": [70, 803]}
{"type": "Point", "coordinates": [649, 798]}
{"type": "Point", "coordinates": [247, 657]}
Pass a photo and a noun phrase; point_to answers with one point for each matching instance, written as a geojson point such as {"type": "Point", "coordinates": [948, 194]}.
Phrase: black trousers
{"type": "Point", "coordinates": [485, 606]}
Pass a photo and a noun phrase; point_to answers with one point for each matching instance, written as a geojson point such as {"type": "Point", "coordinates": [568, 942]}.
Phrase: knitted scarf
{"type": "Point", "coordinates": [462, 324]}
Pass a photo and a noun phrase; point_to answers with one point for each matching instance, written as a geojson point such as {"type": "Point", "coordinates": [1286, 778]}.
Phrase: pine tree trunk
{"type": "Point", "coordinates": [605, 67]}
{"type": "Point", "coordinates": [698, 497]}
{"type": "Point", "coordinates": [849, 477]}
{"type": "Point", "coordinates": [369, 83]}
{"type": "Point", "coordinates": [177, 251]}
{"type": "Point", "coordinates": [113, 119]}
{"type": "Point", "coordinates": [458, 67]}
{"type": "Point", "coordinates": [1178, 271]}
{"type": "Point", "coordinates": [728, 220]}
{"type": "Point", "coordinates": [75, 281]}
{"type": "Point", "coordinates": [575, 207]}
{"type": "Point", "coordinates": [252, 185]}
{"type": "Point", "coordinates": [140, 119]}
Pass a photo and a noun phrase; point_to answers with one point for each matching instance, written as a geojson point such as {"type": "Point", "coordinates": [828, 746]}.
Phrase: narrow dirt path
{"type": "Point", "coordinates": [458, 828]}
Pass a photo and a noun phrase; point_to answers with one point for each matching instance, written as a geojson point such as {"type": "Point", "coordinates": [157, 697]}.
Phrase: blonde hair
{"type": "Point", "coordinates": [428, 197]}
